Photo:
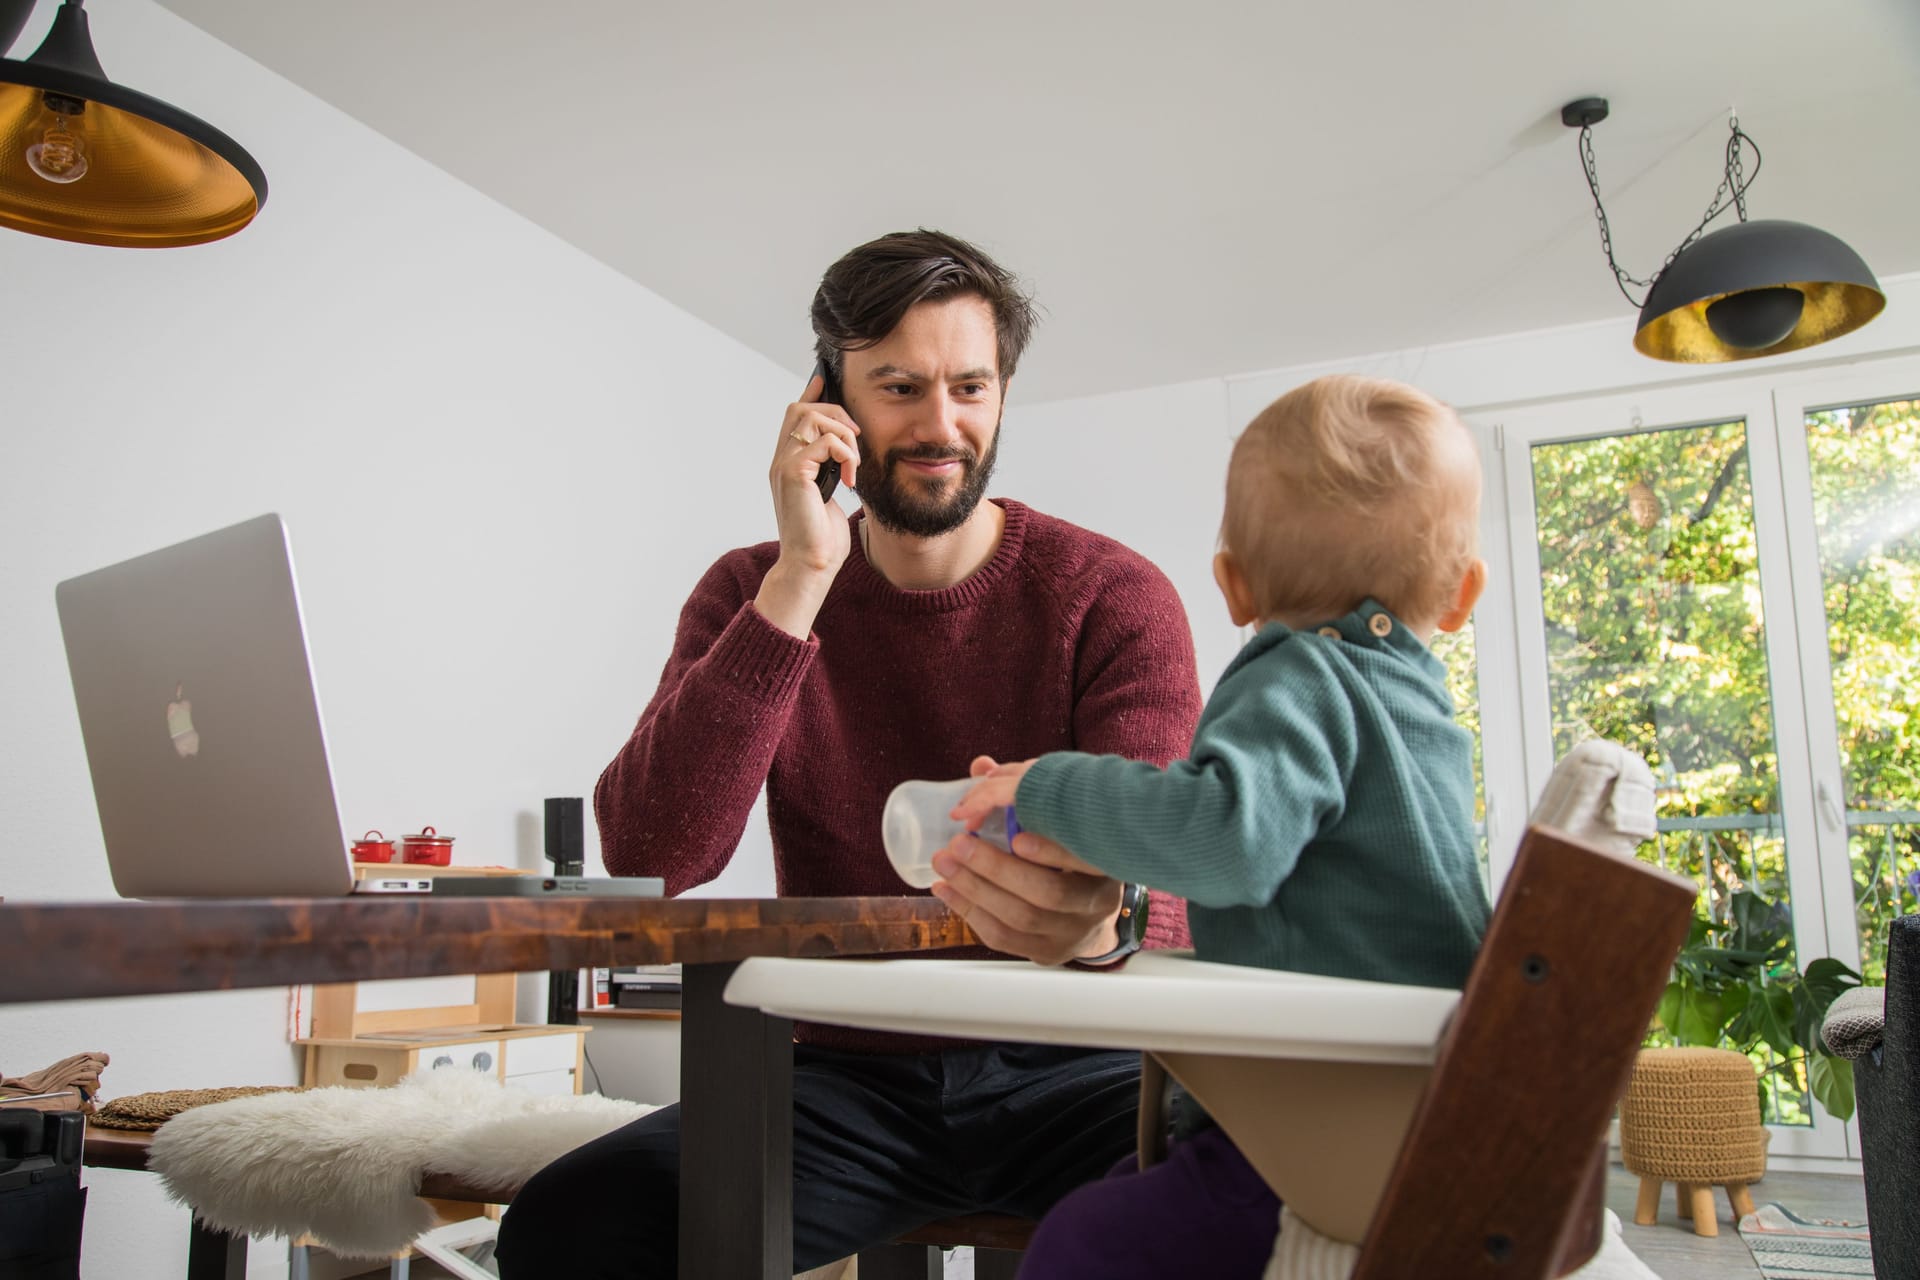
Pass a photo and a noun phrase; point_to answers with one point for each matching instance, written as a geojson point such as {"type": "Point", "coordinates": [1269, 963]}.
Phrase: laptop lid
{"type": "Point", "coordinates": [202, 730]}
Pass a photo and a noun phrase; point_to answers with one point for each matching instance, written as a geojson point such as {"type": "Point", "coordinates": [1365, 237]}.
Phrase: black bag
{"type": "Point", "coordinates": [41, 1200]}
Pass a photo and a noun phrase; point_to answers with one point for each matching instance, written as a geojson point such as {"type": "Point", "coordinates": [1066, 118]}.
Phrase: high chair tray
{"type": "Point", "coordinates": [1159, 1000]}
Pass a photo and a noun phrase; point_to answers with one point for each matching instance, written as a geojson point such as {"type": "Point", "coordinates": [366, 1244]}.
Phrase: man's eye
{"type": "Point", "coordinates": [973, 389]}
{"type": "Point", "coordinates": [898, 388]}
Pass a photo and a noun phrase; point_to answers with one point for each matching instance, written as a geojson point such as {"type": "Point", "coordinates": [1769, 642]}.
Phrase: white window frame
{"type": "Point", "coordinates": [1747, 399]}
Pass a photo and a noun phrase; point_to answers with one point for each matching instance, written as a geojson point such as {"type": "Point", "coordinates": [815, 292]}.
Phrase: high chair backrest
{"type": "Point", "coordinates": [1502, 1173]}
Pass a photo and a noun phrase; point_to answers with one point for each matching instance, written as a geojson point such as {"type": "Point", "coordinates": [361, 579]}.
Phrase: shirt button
{"type": "Point", "coordinates": [1380, 624]}
{"type": "Point", "coordinates": [1331, 633]}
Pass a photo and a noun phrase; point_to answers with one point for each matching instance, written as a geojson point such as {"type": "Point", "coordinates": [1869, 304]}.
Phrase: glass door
{"type": "Point", "coordinates": [1850, 451]}
{"type": "Point", "coordinates": [1654, 606]}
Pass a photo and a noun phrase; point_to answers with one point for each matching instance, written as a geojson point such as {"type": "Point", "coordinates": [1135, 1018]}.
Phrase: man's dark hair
{"type": "Point", "coordinates": [862, 297]}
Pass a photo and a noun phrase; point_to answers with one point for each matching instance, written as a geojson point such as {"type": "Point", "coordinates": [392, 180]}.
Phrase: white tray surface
{"type": "Point", "coordinates": [1159, 1000]}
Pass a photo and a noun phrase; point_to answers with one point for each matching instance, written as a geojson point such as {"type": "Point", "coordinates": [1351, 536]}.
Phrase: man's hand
{"type": "Point", "coordinates": [1044, 904]}
{"type": "Point", "coordinates": [815, 536]}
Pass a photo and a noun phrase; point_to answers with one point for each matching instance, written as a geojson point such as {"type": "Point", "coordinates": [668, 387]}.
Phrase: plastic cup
{"type": "Point", "coordinates": [914, 826]}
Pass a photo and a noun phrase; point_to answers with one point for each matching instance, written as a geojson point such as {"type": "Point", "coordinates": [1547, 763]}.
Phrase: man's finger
{"type": "Point", "coordinates": [996, 933]}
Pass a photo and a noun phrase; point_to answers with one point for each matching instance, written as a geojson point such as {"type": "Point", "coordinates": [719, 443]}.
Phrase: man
{"type": "Point", "coordinates": [846, 657]}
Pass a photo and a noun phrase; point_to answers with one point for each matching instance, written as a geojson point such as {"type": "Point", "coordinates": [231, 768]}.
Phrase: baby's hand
{"type": "Point", "coordinates": [995, 790]}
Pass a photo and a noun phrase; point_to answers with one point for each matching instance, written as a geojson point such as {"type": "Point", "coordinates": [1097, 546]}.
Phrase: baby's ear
{"type": "Point", "coordinates": [1472, 583]}
{"type": "Point", "coordinates": [1233, 585]}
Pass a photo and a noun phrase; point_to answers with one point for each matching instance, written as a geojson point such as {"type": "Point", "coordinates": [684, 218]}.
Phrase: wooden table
{"type": "Point", "coordinates": [736, 1065]}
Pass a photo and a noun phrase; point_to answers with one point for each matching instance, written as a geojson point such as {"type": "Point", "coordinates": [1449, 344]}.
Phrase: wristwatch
{"type": "Point", "coordinates": [1130, 924]}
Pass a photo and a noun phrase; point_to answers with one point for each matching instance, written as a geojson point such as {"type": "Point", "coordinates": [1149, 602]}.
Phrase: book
{"type": "Point", "coordinates": [630, 997]}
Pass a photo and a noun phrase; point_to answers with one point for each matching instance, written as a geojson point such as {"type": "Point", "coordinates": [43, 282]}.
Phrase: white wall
{"type": "Point", "coordinates": [502, 464]}
{"type": "Point", "coordinates": [1147, 467]}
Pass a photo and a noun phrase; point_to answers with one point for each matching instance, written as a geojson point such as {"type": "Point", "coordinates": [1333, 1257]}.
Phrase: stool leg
{"type": "Point", "coordinates": [299, 1262]}
{"type": "Point", "coordinates": [1705, 1221]}
{"type": "Point", "coordinates": [1683, 1200]}
{"type": "Point", "coordinates": [1737, 1197]}
{"type": "Point", "coordinates": [1646, 1210]}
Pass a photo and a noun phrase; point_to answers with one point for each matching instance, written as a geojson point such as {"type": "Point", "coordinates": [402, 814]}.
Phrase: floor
{"type": "Point", "coordinates": [1669, 1247]}
{"type": "Point", "coordinates": [1673, 1252]}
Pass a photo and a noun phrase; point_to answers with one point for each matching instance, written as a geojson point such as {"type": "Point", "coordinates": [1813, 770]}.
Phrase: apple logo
{"type": "Point", "coordinates": [186, 738]}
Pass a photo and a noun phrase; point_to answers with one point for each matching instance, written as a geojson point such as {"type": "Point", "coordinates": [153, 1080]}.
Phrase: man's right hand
{"type": "Point", "coordinates": [815, 535]}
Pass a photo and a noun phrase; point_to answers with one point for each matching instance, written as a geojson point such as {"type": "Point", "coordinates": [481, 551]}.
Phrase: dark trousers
{"type": "Point", "coordinates": [882, 1143]}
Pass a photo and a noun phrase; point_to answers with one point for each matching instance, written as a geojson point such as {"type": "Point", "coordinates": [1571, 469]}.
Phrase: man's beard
{"type": "Point", "coordinates": [906, 504]}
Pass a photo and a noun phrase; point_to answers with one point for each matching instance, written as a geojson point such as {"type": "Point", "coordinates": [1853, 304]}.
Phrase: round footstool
{"type": "Point", "coordinates": [1692, 1117]}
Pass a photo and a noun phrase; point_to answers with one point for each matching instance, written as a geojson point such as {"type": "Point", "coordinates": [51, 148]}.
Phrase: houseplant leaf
{"type": "Point", "coordinates": [1831, 1080]}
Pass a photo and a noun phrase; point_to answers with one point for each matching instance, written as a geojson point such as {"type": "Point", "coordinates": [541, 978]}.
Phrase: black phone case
{"type": "Point", "coordinates": [829, 477]}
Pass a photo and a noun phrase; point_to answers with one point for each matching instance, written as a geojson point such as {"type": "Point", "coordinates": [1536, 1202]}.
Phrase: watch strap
{"type": "Point", "coordinates": [1130, 925]}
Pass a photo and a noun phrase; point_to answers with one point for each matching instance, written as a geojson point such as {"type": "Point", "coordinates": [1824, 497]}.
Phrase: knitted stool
{"type": "Point", "coordinates": [1692, 1117]}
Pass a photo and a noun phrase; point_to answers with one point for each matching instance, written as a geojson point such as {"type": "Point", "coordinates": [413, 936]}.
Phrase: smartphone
{"type": "Point", "coordinates": [829, 477]}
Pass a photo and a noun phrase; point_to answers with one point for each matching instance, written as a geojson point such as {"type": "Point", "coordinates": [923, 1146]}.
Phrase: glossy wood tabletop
{"type": "Point", "coordinates": [68, 951]}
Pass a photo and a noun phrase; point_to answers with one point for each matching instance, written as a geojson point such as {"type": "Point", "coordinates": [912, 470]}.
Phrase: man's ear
{"type": "Point", "coordinates": [1472, 583]}
{"type": "Point", "coordinates": [1233, 585]}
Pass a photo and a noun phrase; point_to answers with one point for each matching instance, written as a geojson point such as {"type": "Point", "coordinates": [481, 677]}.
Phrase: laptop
{"type": "Point", "coordinates": [204, 738]}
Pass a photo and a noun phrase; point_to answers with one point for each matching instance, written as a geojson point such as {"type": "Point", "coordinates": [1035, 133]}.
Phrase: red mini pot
{"type": "Point", "coordinates": [427, 848]}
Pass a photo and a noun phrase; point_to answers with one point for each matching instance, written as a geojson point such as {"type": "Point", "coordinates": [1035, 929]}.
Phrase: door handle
{"type": "Point", "coordinates": [1829, 812]}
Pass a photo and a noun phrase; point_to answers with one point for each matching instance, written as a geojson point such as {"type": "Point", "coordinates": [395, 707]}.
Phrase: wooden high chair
{"type": "Point", "coordinates": [1461, 1134]}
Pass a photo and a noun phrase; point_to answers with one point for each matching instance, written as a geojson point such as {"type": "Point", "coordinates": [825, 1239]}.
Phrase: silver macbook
{"type": "Point", "coordinates": [203, 732]}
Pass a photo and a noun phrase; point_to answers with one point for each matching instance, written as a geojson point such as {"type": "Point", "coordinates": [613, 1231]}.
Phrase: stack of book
{"type": "Point", "coordinates": [646, 986]}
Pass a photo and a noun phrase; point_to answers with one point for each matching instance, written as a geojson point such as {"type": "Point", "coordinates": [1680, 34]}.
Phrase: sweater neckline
{"type": "Point", "coordinates": [859, 575]}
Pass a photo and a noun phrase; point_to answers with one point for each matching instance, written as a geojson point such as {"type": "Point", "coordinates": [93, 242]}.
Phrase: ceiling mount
{"type": "Point", "coordinates": [1583, 113]}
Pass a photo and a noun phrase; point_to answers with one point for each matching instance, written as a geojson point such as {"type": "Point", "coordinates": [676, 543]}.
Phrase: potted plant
{"type": "Point", "coordinates": [1735, 984]}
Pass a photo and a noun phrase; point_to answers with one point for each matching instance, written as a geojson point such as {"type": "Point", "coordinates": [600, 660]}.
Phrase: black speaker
{"type": "Point", "coordinates": [566, 835]}
{"type": "Point", "coordinates": [567, 851]}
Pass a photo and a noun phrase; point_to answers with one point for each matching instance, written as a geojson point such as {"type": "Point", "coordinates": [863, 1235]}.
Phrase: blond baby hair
{"type": "Point", "coordinates": [1351, 487]}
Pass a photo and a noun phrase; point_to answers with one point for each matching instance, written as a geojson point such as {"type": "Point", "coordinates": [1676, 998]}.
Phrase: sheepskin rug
{"type": "Point", "coordinates": [344, 1165]}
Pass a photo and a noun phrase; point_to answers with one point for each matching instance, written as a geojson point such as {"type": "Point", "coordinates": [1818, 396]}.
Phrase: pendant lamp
{"type": "Point", "coordinates": [1746, 291]}
{"type": "Point", "coordinates": [85, 159]}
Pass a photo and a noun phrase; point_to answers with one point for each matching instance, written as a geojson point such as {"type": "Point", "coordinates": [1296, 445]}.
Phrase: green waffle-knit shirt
{"type": "Point", "coordinates": [1322, 822]}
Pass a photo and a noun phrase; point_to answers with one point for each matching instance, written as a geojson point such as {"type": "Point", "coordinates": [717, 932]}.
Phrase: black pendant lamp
{"type": "Point", "coordinates": [85, 159]}
{"type": "Point", "coordinates": [1746, 291]}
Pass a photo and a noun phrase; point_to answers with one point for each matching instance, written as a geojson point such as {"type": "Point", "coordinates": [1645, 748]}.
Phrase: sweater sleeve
{"type": "Point", "coordinates": [1224, 827]}
{"type": "Point", "coordinates": [676, 798]}
{"type": "Point", "coordinates": [1138, 695]}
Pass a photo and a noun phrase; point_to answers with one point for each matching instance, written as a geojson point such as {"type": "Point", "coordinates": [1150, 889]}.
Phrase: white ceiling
{"type": "Point", "coordinates": [1193, 190]}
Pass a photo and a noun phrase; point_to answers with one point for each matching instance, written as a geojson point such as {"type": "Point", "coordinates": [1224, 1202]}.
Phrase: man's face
{"type": "Point", "coordinates": [928, 400]}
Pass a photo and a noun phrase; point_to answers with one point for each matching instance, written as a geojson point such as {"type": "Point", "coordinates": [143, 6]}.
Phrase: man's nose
{"type": "Point", "coordinates": [941, 423]}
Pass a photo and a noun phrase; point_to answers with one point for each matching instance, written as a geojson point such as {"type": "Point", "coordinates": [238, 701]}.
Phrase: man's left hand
{"type": "Point", "coordinates": [1027, 905]}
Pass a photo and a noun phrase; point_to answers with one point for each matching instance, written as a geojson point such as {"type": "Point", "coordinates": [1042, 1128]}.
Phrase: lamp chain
{"type": "Point", "coordinates": [1734, 182]}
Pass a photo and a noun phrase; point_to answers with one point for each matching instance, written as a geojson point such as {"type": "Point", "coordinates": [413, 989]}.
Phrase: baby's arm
{"type": "Point", "coordinates": [1268, 771]}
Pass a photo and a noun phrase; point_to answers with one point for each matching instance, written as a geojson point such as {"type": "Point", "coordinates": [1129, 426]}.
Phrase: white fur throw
{"type": "Point", "coordinates": [344, 1165]}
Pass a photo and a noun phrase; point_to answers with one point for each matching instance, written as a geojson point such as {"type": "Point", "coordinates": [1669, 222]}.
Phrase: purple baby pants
{"type": "Point", "coordinates": [1201, 1212]}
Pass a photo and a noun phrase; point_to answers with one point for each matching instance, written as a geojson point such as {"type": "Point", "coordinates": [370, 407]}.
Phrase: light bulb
{"type": "Point", "coordinates": [1755, 319]}
{"type": "Point", "coordinates": [61, 153]}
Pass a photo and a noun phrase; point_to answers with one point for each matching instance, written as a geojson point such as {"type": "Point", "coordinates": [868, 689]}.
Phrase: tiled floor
{"type": "Point", "coordinates": [1671, 1249]}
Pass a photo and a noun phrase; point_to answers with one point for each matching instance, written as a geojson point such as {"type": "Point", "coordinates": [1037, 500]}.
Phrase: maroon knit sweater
{"type": "Point", "coordinates": [1063, 640]}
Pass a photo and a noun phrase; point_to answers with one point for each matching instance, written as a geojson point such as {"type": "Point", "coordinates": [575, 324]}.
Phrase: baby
{"type": "Point", "coordinates": [1323, 819]}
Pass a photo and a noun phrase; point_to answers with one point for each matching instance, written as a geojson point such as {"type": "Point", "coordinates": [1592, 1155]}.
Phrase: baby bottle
{"type": "Point", "coordinates": [915, 824]}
